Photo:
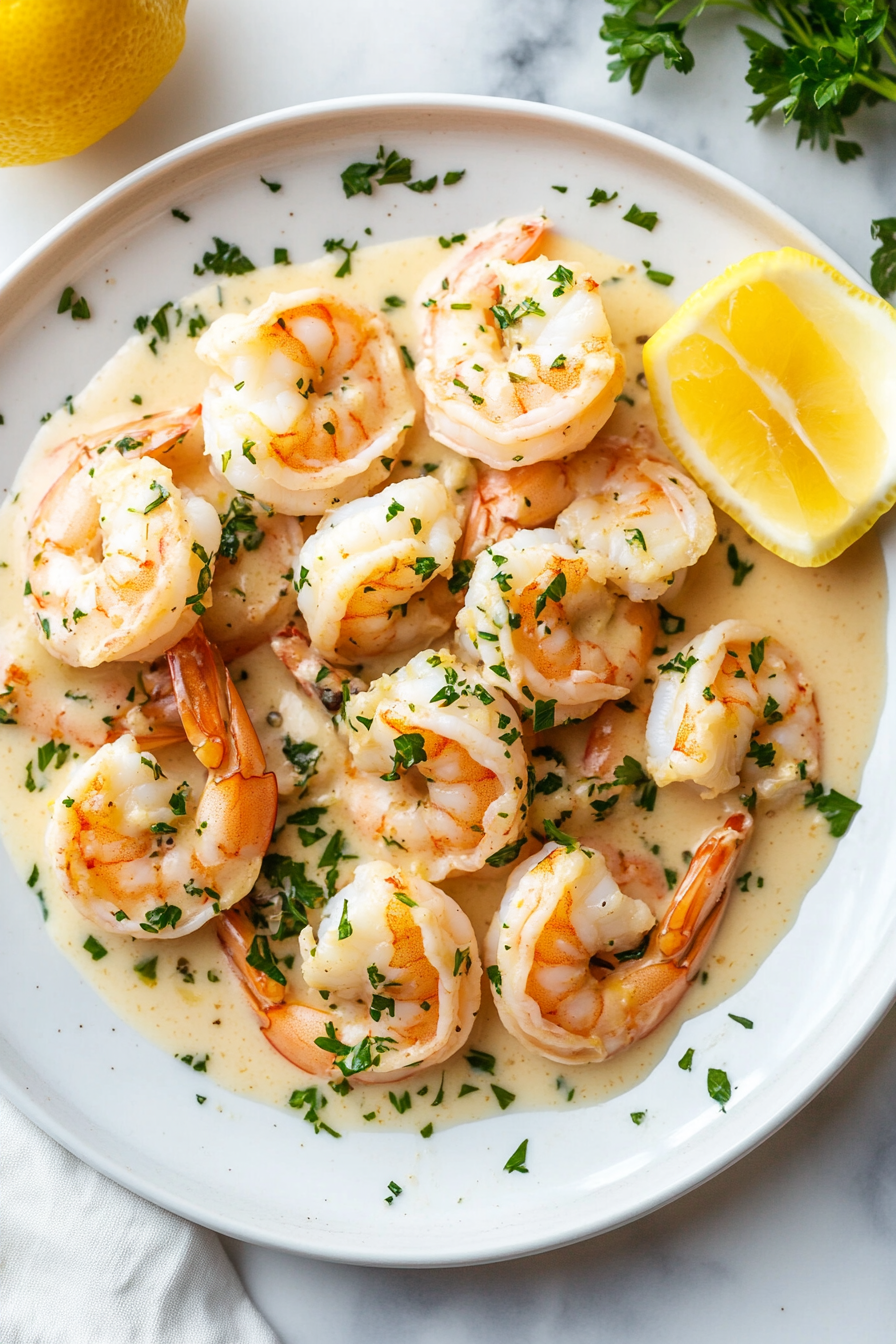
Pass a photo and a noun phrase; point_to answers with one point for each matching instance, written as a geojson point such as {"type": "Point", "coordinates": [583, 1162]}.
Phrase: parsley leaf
{"type": "Point", "coordinates": [883, 261]}
{"type": "Point", "coordinates": [838, 809]}
{"type": "Point", "coordinates": [718, 1086]}
{"type": "Point", "coordinates": [507, 854]}
{"type": "Point", "coordinates": [835, 57]}
{"type": "Point", "coordinates": [740, 567]}
{"type": "Point", "coordinates": [645, 219]}
{"type": "Point", "coordinates": [517, 1159]}
{"type": "Point", "coordinates": [227, 259]}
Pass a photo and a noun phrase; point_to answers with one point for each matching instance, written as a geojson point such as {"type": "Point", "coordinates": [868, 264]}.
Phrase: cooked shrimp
{"type": "Point", "coordinates": [118, 560]}
{"type": "Point", "coordinates": [546, 628]}
{"type": "Point", "coordinates": [391, 982]}
{"type": "Point", "coordinates": [132, 851]}
{"type": "Point", "coordinates": [36, 690]}
{"type": "Point", "coordinates": [312, 672]}
{"type": "Point", "coordinates": [152, 715]}
{"type": "Point", "coordinates": [253, 590]}
{"type": "Point", "coordinates": [516, 360]}
{"type": "Point", "coordinates": [523, 497]}
{"type": "Point", "coordinates": [437, 766]}
{"type": "Point", "coordinates": [308, 405]}
{"type": "Point", "coordinates": [618, 497]}
{"type": "Point", "coordinates": [734, 708]}
{"type": "Point", "coordinates": [641, 513]}
{"type": "Point", "coordinates": [366, 575]}
{"type": "Point", "coordinates": [578, 973]}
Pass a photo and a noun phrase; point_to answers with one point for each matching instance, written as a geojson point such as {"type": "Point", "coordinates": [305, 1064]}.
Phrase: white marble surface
{"type": "Point", "coordinates": [796, 1243]}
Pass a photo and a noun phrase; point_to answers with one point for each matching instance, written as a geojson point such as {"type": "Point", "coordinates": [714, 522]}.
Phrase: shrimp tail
{"type": "Point", "coordinates": [291, 1028]}
{"type": "Point", "coordinates": [155, 722]}
{"type": "Point", "coordinates": [683, 939]}
{"type": "Point", "coordinates": [150, 436]}
{"type": "Point", "coordinates": [235, 934]}
{"type": "Point", "coordinates": [312, 672]}
{"type": "Point", "coordinates": [196, 675]}
{"type": "Point", "coordinates": [239, 803]}
{"type": "Point", "coordinates": [683, 935]}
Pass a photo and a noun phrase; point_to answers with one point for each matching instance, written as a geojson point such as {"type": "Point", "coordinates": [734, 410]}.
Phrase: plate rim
{"type": "Point", "coordinates": [816, 1066]}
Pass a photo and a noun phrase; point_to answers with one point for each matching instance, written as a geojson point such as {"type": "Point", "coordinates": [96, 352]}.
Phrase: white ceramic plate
{"type": "Point", "coordinates": [243, 1168]}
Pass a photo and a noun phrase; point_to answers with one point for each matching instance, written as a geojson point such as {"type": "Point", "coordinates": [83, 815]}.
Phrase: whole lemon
{"type": "Point", "coordinates": [73, 70]}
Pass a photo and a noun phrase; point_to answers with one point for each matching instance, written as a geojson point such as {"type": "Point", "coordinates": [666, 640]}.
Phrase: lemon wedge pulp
{"type": "Point", "coordinates": [775, 384]}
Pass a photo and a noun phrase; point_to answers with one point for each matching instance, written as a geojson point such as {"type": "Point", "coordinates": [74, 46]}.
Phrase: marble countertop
{"type": "Point", "coordinates": [796, 1243]}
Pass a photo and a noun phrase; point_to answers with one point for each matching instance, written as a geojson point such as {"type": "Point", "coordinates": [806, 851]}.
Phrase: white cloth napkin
{"type": "Point", "coordinates": [85, 1262]}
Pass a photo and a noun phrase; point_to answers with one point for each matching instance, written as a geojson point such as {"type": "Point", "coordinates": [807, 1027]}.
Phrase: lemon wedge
{"type": "Point", "coordinates": [775, 384]}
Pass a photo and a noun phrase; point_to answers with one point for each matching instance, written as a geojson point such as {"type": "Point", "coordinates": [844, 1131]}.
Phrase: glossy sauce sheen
{"type": "Point", "coordinates": [833, 619]}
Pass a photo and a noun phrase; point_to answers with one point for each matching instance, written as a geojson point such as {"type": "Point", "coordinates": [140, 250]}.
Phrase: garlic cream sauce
{"type": "Point", "coordinates": [189, 1002]}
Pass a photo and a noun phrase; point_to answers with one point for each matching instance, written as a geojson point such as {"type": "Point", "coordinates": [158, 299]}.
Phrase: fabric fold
{"type": "Point", "coordinates": [84, 1261]}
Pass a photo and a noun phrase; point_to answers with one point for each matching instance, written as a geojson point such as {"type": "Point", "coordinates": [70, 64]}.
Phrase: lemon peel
{"type": "Point", "coordinates": [73, 70]}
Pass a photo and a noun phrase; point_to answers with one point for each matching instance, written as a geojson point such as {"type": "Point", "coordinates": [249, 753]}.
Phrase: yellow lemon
{"type": "Point", "coordinates": [72, 70]}
{"type": "Point", "coordinates": [775, 385]}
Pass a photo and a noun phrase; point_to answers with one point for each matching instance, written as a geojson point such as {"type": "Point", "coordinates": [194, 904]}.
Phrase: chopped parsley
{"type": "Point", "coordinates": [501, 857]}
{"type": "Point", "coordinates": [226, 259]}
{"type": "Point", "coordinates": [562, 277]}
{"type": "Point", "coordinates": [645, 219]}
{"type": "Point", "coordinates": [340, 245]}
{"type": "Point", "coordinates": [836, 807]}
{"type": "Point", "coordinates": [409, 749]}
{"type": "Point", "coordinates": [303, 757]}
{"type": "Point", "coordinates": [70, 303]}
{"type": "Point", "coordinates": [164, 916]}
{"type": "Point", "coordinates": [718, 1086]}
{"type": "Point", "coordinates": [554, 592]}
{"type": "Point", "coordinates": [148, 970]}
{"type": "Point", "coordinates": [553, 832]}
{"type": "Point", "coordinates": [544, 715]}
{"type": "Point", "coordinates": [481, 1060]}
{"type": "Point", "coordinates": [601, 197]}
{"type": "Point", "coordinates": [517, 1159]}
{"type": "Point", "coordinates": [239, 525]}
{"type": "Point", "coordinates": [506, 317]}
{"type": "Point", "coordinates": [658, 277]}
{"type": "Point", "coordinates": [741, 568]}
{"type": "Point", "coordinates": [757, 653]}
{"type": "Point", "coordinates": [261, 958]}
{"type": "Point", "coordinates": [680, 663]}
{"type": "Point", "coordinates": [763, 753]}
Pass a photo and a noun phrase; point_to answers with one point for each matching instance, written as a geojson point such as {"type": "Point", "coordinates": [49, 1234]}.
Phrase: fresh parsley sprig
{"type": "Point", "coordinates": [833, 57]}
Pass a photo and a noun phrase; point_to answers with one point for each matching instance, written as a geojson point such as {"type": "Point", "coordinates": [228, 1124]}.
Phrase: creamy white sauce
{"type": "Point", "coordinates": [832, 618]}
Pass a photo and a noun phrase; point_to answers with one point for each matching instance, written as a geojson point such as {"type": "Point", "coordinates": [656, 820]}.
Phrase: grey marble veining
{"type": "Point", "coordinates": [793, 1245]}
{"type": "Point", "coordinates": [797, 1242]}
